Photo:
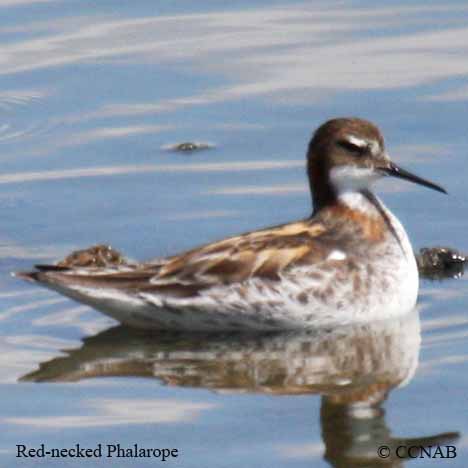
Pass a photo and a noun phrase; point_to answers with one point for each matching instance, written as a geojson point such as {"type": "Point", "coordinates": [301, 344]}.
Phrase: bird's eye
{"type": "Point", "coordinates": [352, 147]}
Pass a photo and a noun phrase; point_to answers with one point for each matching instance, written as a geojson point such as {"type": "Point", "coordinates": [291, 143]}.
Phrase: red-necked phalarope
{"type": "Point", "coordinates": [350, 261]}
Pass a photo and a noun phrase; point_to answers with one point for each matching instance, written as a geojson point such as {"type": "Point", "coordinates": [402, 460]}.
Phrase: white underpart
{"type": "Point", "coordinates": [352, 178]}
{"type": "Point", "coordinates": [396, 260]}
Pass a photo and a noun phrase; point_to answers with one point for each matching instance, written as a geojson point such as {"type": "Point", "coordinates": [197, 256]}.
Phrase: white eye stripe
{"type": "Point", "coordinates": [362, 143]}
{"type": "Point", "coordinates": [357, 141]}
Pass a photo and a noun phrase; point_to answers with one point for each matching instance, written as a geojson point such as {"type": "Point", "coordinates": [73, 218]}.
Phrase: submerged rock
{"type": "Point", "coordinates": [440, 262]}
{"type": "Point", "coordinates": [95, 256]}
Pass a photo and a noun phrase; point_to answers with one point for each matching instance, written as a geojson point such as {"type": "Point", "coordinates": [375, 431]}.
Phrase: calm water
{"type": "Point", "coordinates": [90, 92]}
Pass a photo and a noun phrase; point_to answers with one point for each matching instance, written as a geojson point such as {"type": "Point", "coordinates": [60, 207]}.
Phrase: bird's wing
{"type": "Point", "coordinates": [264, 254]}
{"type": "Point", "coordinates": [259, 254]}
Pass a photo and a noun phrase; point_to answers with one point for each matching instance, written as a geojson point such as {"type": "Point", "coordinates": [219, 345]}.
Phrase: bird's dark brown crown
{"type": "Point", "coordinates": [331, 146]}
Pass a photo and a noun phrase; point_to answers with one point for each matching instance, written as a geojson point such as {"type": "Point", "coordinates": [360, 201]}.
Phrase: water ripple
{"type": "Point", "coordinates": [19, 97]}
{"type": "Point", "coordinates": [20, 177]}
{"type": "Point", "coordinates": [9, 134]}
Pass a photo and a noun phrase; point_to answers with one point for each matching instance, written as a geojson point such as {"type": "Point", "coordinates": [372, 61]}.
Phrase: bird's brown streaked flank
{"type": "Point", "coordinates": [350, 261]}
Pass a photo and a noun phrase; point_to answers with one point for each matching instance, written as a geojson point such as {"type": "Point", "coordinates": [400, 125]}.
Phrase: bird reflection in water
{"type": "Point", "coordinates": [353, 368]}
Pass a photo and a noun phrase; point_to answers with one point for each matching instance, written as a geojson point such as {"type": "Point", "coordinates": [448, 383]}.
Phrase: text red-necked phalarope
{"type": "Point", "coordinates": [350, 261]}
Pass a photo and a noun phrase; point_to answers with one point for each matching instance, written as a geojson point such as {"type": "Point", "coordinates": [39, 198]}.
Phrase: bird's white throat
{"type": "Point", "coordinates": [352, 178]}
{"type": "Point", "coordinates": [349, 182]}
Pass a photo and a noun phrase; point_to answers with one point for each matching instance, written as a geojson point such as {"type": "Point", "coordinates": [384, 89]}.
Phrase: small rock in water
{"type": "Point", "coordinates": [95, 256]}
{"type": "Point", "coordinates": [440, 262]}
{"type": "Point", "coordinates": [188, 146]}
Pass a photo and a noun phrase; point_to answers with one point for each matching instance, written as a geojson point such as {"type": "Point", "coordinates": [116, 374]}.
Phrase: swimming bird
{"type": "Point", "coordinates": [350, 261]}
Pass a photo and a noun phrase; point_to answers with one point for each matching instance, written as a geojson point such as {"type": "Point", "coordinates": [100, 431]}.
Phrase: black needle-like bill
{"type": "Point", "coordinates": [396, 171]}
